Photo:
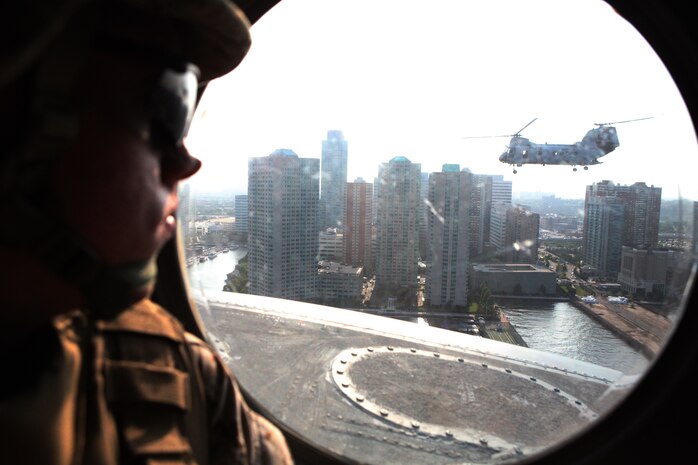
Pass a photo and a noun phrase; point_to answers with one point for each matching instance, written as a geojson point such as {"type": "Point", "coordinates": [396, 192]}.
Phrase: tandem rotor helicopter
{"type": "Point", "coordinates": [598, 142]}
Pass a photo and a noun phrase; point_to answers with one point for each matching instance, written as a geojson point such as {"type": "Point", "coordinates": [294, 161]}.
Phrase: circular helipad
{"type": "Point", "coordinates": [457, 397]}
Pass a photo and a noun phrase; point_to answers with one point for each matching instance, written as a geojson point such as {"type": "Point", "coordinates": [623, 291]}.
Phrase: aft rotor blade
{"type": "Point", "coordinates": [626, 121]}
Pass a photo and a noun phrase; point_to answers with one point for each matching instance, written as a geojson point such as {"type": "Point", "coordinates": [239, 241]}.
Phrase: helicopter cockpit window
{"type": "Point", "coordinates": [400, 269]}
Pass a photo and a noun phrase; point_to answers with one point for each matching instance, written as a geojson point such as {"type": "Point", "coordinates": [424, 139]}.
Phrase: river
{"type": "Point", "coordinates": [562, 328]}
{"type": "Point", "coordinates": [555, 327]}
{"type": "Point", "coordinates": [210, 275]}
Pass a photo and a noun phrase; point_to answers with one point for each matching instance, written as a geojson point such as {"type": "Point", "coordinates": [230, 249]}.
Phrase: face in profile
{"type": "Point", "coordinates": [117, 185]}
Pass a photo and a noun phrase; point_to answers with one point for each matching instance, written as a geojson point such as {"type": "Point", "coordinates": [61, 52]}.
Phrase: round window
{"type": "Point", "coordinates": [443, 233]}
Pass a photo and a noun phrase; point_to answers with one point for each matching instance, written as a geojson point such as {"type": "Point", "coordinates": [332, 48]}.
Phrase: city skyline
{"type": "Point", "coordinates": [287, 247]}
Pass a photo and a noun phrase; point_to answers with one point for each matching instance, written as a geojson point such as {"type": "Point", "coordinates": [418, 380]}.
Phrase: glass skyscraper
{"type": "Point", "coordinates": [333, 180]}
{"type": "Point", "coordinates": [283, 230]}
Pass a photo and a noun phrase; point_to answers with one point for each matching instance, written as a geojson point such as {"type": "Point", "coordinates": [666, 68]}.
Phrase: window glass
{"type": "Point", "coordinates": [443, 232]}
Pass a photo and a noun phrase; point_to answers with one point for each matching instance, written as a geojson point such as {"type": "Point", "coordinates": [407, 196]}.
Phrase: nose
{"type": "Point", "coordinates": [179, 164]}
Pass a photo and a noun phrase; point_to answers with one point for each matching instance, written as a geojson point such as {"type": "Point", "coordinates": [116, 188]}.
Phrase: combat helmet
{"type": "Point", "coordinates": [50, 41]}
{"type": "Point", "coordinates": [214, 34]}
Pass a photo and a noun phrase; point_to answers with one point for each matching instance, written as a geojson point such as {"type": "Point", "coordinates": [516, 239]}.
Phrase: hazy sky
{"type": "Point", "coordinates": [413, 78]}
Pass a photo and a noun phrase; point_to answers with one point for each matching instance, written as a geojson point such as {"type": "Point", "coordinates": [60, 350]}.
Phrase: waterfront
{"type": "Point", "coordinates": [210, 275]}
{"type": "Point", "coordinates": [561, 328]}
{"type": "Point", "coordinates": [556, 327]}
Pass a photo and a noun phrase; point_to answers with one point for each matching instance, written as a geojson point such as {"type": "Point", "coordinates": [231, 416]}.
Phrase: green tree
{"type": "Point", "coordinates": [237, 281]}
{"type": "Point", "coordinates": [485, 300]}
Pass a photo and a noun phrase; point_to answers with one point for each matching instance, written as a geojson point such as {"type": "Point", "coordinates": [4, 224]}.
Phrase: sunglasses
{"type": "Point", "coordinates": [173, 102]}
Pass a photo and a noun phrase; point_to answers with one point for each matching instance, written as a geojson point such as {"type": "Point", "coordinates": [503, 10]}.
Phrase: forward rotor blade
{"type": "Point", "coordinates": [518, 133]}
{"type": "Point", "coordinates": [530, 123]}
{"type": "Point", "coordinates": [487, 137]}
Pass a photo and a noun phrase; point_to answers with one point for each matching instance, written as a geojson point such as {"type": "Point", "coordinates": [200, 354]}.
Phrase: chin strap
{"type": "Point", "coordinates": [108, 289]}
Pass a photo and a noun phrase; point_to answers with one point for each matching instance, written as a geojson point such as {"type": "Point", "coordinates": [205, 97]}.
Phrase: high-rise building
{"type": "Point", "coordinates": [500, 202]}
{"type": "Point", "coordinates": [396, 230]}
{"type": "Point", "coordinates": [423, 219]}
{"type": "Point", "coordinates": [241, 211]}
{"type": "Point", "coordinates": [358, 215]}
{"type": "Point", "coordinates": [333, 179]}
{"type": "Point", "coordinates": [498, 222]}
{"type": "Point", "coordinates": [480, 213]}
{"type": "Point", "coordinates": [642, 209]}
{"type": "Point", "coordinates": [603, 235]}
{"type": "Point", "coordinates": [501, 190]}
{"type": "Point", "coordinates": [283, 232]}
{"type": "Point", "coordinates": [642, 205]}
{"type": "Point", "coordinates": [521, 237]}
{"type": "Point", "coordinates": [637, 208]}
{"type": "Point", "coordinates": [448, 264]}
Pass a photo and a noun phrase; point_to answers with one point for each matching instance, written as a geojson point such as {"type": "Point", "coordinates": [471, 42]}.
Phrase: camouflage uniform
{"type": "Point", "coordinates": [136, 389]}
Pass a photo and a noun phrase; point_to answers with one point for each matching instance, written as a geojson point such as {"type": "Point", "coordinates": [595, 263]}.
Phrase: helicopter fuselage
{"type": "Point", "coordinates": [596, 143]}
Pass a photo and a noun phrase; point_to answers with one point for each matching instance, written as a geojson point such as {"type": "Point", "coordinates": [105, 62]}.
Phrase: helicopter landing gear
{"type": "Point", "coordinates": [586, 168]}
{"type": "Point", "coordinates": [574, 169]}
{"type": "Point", "coordinates": [514, 171]}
